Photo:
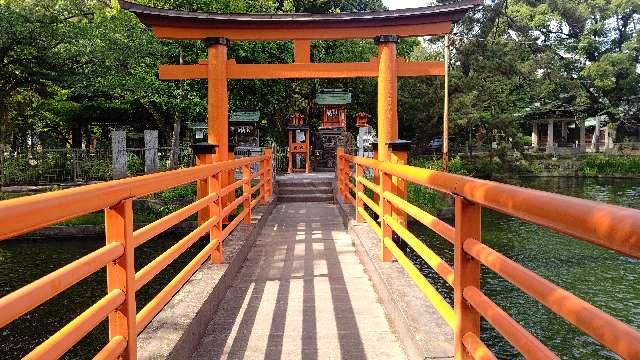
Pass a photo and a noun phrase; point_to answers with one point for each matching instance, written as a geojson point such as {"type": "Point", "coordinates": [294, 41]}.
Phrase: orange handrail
{"type": "Point", "coordinates": [16, 217]}
{"type": "Point", "coordinates": [477, 349]}
{"type": "Point", "coordinates": [608, 226]}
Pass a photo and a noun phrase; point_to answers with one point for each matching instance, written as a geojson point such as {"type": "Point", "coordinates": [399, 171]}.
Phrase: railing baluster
{"type": "Point", "coordinates": [400, 157]}
{"type": "Point", "coordinates": [215, 209]}
{"type": "Point", "coordinates": [118, 221]}
{"type": "Point", "coordinates": [270, 187]}
{"type": "Point", "coordinates": [339, 171]}
{"type": "Point", "coordinates": [376, 174]}
{"type": "Point", "coordinates": [359, 189]}
{"type": "Point", "coordinates": [387, 210]}
{"type": "Point", "coordinates": [201, 187]}
{"type": "Point", "coordinates": [466, 273]}
{"type": "Point", "coordinates": [246, 192]}
{"type": "Point", "coordinates": [263, 179]}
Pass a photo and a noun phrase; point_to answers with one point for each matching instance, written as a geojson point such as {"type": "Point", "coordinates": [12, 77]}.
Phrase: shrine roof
{"type": "Point", "coordinates": [179, 24]}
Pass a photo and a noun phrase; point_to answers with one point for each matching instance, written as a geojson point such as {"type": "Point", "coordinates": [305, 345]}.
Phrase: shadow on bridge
{"type": "Point", "coordinates": [301, 294]}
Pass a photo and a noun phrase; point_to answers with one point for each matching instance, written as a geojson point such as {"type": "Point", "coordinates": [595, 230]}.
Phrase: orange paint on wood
{"type": "Point", "coordinates": [215, 209]}
{"type": "Point", "coordinates": [118, 223]}
{"type": "Point", "coordinates": [300, 70]}
{"type": "Point", "coordinates": [466, 273]}
{"type": "Point", "coordinates": [387, 210]}
{"type": "Point", "coordinates": [246, 192]}
{"type": "Point", "coordinates": [359, 192]}
{"type": "Point", "coordinates": [387, 98]}
{"type": "Point", "coordinates": [218, 100]}
{"type": "Point", "coordinates": [307, 33]}
{"type": "Point", "coordinates": [302, 51]}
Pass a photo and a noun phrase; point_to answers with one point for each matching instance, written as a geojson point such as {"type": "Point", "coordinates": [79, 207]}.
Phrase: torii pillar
{"type": "Point", "coordinates": [218, 107]}
{"type": "Point", "coordinates": [218, 98]}
{"type": "Point", "coordinates": [390, 149]}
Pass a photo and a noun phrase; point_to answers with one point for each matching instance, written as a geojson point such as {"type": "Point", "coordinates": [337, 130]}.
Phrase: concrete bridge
{"type": "Point", "coordinates": [325, 276]}
{"type": "Point", "coordinates": [310, 266]}
{"type": "Point", "coordinates": [298, 284]}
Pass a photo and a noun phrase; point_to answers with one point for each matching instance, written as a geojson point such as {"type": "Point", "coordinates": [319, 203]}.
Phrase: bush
{"type": "Point", "coordinates": [135, 165]}
{"type": "Point", "coordinates": [432, 201]}
{"type": "Point", "coordinates": [95, 170]}
{"type": "Point", "coordinates": [593, 165]}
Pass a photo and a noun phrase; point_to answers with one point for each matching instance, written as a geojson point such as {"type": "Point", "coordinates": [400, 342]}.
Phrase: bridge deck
{"type": "Point", "coordinates": [301, 293]}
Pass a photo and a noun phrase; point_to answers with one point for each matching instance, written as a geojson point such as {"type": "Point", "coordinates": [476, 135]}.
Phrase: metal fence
{"type": "Point", "coordinates": [280, 159]}
{"type": "Point", "coordinates": [63, 166]}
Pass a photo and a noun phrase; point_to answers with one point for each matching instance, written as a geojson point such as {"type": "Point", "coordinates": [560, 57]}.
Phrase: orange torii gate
{"type": "Point", "coordinates": [216, 30]}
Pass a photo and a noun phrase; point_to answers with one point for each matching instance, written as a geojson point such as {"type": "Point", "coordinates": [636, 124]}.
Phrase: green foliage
{"type": "Point", "coordinates": [183, 193]}
{"type": "Point", "coordinates": [428, 199]}
{"type": "Point", "coordinates": [86, 67]}
{"type": "Point", "coordinates": [95, 169]}
{"type": "Point", "coordinates": [135, 165]}
{"type": "Point", "coordinates": [594, 165]}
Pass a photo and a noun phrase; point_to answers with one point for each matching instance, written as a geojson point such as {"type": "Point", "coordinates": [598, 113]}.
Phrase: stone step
{"type": "Point", "coordinates": [287, 190]}
{"type": "Point", "coordinates": [328, 198]}
{"type": "Point", "coordinates": [303, 184]}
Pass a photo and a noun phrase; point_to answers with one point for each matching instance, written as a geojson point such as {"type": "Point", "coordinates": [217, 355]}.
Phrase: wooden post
{"type": "Point", "coordinates": [204, 153]}
{"type": "Point", "coordinates": [202, 187]}
{"type": "Point", "coordinates": [227, 180]}
{"type": "Point", "coordinates": [339, 152]}
{"type": "Point", "coordinates": [218, 99]}
{"type": "Point", "coordinates": [445, 122]}
{"type": "Point", "coordinates": [118, 222]}
{"type": "Point", "coordinates": [359, 189]}
{"type": "Point", "coordinates": [466, 273]}
{"type": "Point", "coordinates": [400, 156]}
{"type": "Point", "coordinates": [269, 175]}
{"type": "Point", "coordinates": [302, 51]}
{"type": "Point", "coordinates": [386, 207]}
{"type": "Point", "coordinates": [289, 153]}
{"type": "Point", "coordinates": [246, 192]}
{"type": "Point", "coordinates": [263, 179]}
{"type": "Point", "coordinates": [308, 154]}
{"type": "Point", "coordinates": [215, 209]}
{"type": "Point", "coordinates": [387, 94]}
{"type": "Point", "coordinates": [376, 173]}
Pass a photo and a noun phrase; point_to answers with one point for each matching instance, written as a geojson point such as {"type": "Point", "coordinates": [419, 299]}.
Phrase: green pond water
{"type": "Point", "coordinates": [606, 279]}
{"type": "Point", "coordinates": [23, 261]}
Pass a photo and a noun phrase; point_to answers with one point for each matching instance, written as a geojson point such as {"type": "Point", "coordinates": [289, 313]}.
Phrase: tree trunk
{"type": "Point", "coordinates": [595, 140]}
{"type": "Point", "coordinates": [76, 135]}
{"type": "Point", "coordinates": [174, 159]}
{"type": "Point", "coordinates": [613, 130]}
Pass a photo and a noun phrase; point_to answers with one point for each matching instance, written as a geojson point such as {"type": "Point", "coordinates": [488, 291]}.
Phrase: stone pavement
{"type": "Point", "coordinates": [302, 293]}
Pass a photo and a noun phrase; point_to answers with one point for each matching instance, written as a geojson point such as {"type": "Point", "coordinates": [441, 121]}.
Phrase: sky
{"type": "Point", "coordinates": [401, 4]}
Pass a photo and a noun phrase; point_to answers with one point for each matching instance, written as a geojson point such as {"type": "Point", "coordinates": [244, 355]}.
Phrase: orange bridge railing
{"type": "Point", "coordinates": [608, 226]}
{"type": "Point", "coordinates": [30, 213]}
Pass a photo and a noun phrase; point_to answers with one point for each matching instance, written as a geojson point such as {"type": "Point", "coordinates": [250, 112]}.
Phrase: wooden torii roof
{"type": "Point", "coordinates": [188, 25]}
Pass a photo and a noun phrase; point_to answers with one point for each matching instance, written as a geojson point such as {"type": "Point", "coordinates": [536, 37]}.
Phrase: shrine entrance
{"type": "Point", "coordinates": [333, 127]}
{"type": "Point", "coordinates": [217, 30]}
